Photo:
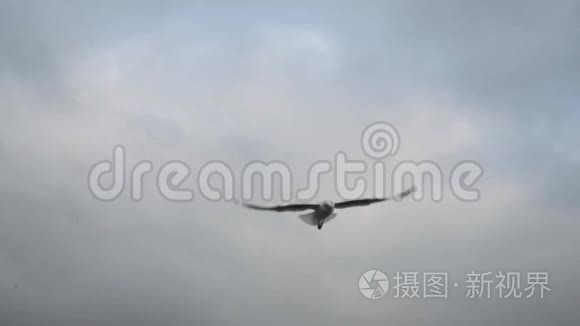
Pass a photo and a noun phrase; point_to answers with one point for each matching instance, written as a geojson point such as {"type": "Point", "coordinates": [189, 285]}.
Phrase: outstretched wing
{"type": "Point", "coordinates": [283, 208]}
{"type": "Point", "coordinates": [359, 202]}
{"type": "Point", "coordinates": [368, 201]}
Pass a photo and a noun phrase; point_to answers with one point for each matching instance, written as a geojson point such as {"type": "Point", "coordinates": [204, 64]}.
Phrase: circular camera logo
{"type": "Point", "coordinates": [376, 278]}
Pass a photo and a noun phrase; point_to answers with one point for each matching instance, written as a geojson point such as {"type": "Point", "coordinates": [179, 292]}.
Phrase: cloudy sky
{"type": "Point", "coordinates": [496, 82]}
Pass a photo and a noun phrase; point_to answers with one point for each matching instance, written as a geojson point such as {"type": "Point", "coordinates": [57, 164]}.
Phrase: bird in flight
{"type": "Point", "coordinates": [324, 211]}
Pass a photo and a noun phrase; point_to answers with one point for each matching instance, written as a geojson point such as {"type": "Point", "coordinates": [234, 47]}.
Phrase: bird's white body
{"type": "Point", "coordinates": [324, 213]}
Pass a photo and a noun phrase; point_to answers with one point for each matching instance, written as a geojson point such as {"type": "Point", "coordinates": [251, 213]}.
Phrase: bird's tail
{"type": "Point", "coordinates": [308, 218]}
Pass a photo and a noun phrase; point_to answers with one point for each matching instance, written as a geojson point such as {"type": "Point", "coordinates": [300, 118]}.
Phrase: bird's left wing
{"type": "Point", "coordinates": [283, 208]}
{"type": "Point", "coordinates": [368, 201]}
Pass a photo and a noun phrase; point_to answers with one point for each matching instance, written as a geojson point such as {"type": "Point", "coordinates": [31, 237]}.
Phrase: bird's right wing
{"type": "Point", "coordinates": [368, 201]}
{"type": "Point", "coordinates": [283, 208]}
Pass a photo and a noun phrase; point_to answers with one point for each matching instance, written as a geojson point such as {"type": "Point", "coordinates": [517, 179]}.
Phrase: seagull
{"type": "Point", "coordinates": [324, 211]}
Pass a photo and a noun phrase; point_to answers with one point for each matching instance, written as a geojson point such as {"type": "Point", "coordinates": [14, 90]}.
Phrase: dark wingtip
{"type": "Point", "coordinates": [407, 192]}
{"type": "Point", "coordinates": [250, 206]}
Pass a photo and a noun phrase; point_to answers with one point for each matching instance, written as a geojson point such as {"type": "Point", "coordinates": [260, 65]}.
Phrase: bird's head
{"type": "Point", "coordinates": [328, 204]}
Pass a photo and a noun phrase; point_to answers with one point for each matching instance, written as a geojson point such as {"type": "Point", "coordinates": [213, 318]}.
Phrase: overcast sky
{"type": "Point", "coordinates": [496, 82]}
